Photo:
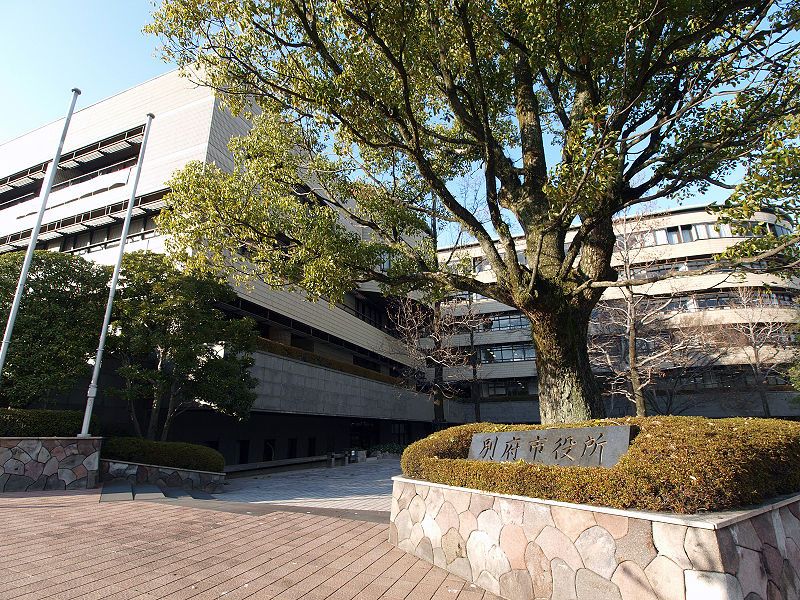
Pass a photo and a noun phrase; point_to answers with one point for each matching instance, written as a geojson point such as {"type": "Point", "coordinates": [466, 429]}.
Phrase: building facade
{"type": "Point", "coordinates": [339, 394]}
{"type": "Point", "coordinates": [329, 376]}
{"type": "Point", "coordinates": [698, 329]}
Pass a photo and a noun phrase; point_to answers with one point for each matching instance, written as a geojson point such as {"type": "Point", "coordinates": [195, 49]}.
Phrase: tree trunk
{"type": "Point", "coordinates": [764, 403]}
{"type": "Point", "coordinates": [137, 428]}
{"type": "Point", "coordinates": [633, 372]}
{"type": "Point", "coordinates": [172, 407]}
{"type": "Point", "coordinates": [438, 369]}
{"type": "Point", "coordinates": [474, 386]}
{"type": "Point", "coordinates": [568, 391]}
{"type": "Point", "coordinates": [155, 412]}
{"type": "Point", "coordinates": [438, 394]}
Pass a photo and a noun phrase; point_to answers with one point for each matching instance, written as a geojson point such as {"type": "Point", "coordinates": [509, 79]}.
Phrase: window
{"type": "Point", "coordinates": [99, 236]}
{"type": "Point", "coordinates": [673, 236]}
{"type": "Point", "coordinates": [244, 451]}
{"type": "Point", "coordinates": [312, 446]}
{"type": "Point", "coordinates": [82, 240]}
{"type": "Point", "coordinates": [507, 387]}
{"type": "Point", "coordinates": [506, 321]}
{"type": "Point", "coordinates": [292, 448]}
{"type": "Point", "coordinates": [366, 364]}
{"type": "Point", "coordinates": [304, 343]}
{"type": "Point", "coordinates": [269, 450]}
{"type": "Point", "coordinates": [686, 234]}
{"type": "Point", "coordinates": [701, 231]}
{"type": "Point", "coordinates": [507, 353]}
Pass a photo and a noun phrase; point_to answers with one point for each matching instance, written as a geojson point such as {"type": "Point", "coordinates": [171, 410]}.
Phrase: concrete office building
{"type": "Point", "coordinates": [683, 239]}
{"type": "Point", "coordinates": [344, 393]}
{"type": "Point", "coordinates": [303, 408]}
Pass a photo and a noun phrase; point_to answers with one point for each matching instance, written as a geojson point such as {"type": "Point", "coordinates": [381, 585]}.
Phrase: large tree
{"type": "Point", "coordinates": [57, 325]}
{"type": "Point", "coordinates": [177, 349]}
{"type": "Point", "coordinates": [369, 116]}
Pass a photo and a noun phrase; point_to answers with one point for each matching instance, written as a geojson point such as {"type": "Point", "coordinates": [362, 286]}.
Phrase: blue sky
{"type": "Point", "coordinates": [50, 46]}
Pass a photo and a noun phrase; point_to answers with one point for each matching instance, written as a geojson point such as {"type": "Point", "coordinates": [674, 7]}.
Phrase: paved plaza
{"type": "Point", "coordinates": [363, 486]}
{"type": "Point", "coordinates": [250, 544]}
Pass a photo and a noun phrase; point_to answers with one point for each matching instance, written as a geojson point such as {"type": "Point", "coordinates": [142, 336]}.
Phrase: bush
{"type": "Point", "coordinates": [677, 464]}
{"type": "Point", "coordinates": [165, 454]}
{"type": "Point", "coordinates": [22, 422]}
{"type": "Point", "coordinates": [388, 448]}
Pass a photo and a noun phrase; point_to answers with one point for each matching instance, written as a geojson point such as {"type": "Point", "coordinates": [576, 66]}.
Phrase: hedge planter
{"type": "Point", "coordinates": [523, 548]}
{"type": "Point", "coordinates": [48, 463]}
{"type": "Point", "coordinates": [188, 479]}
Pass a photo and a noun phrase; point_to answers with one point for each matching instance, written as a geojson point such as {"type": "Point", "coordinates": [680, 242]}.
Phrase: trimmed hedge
{"type": "Point", "coordinates": [23, 422]}
{"type": "Point", "coordinates": [164, 454]}
{"type": "Point", "coordinates": [675, 464]}
{"type": "Point", "coordinates": [273, 347]}
{"type": "Point", "coordinates": [389, 448]}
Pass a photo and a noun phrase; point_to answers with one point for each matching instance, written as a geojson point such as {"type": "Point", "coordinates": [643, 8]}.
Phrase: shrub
{"type": "Point", "coordinates": [22, 422]}
{"type": "Point", "coordinates": [677, 464]}
{"type": "Point", "coordinates": [388, 448]}
{"type": "Point", "coordinates": [165, 454]}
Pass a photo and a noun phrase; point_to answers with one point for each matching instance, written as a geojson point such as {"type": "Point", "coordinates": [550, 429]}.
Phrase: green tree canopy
{"type": "Point", "coordinates": [57, 325]}
{"type": "Point", "coordinates": [178, 349]}
{"type": "Point", "coordinates": [368, 117]}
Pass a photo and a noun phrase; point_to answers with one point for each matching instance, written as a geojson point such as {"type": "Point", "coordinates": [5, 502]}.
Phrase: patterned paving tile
{"type": "Point", "coordinates": [361, 486]}
{"type": "Point", "coordinates": [71, 546]}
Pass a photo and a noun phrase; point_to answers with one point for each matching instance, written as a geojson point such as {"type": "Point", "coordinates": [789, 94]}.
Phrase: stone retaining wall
{"type": "Point", "coordinates": [522, 548]}
{"type": "Point", "coordinates": [30, 464]}
{"type": "Point", "coordinates": [207, 481]}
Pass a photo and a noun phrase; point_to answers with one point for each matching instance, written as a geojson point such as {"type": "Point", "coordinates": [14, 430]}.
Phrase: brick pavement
{"type": "Point", "coordinates": [361, 486]}
{"type": "Point", "coordinates": [64, 546]}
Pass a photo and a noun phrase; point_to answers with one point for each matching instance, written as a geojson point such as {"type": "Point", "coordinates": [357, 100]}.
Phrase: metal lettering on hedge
{"type": "Point", "coordinates": [580, 446]}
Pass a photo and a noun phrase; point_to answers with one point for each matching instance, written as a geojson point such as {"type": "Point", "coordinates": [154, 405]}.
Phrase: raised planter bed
{"type": "Point", "coordinates": [48, 463]}
{"type": "Point", "coordinates": [524, 548]}
{"type": "Point", "coordinates": [207, 481]}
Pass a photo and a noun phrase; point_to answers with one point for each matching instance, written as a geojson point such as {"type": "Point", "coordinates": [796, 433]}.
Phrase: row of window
{"type": "Point", "coordinates": [725, 300]}
{"type": "Point", "coordinates": [719, 378]}
{"type": "Point", "coordinates": [679, 234]}
{"type": "Point", "coordinates": [505, 322]}
{"type": "Point", "coordinates": [682, 234]}
{"type": "Point", "coordinates": [503, 353]}
{"type": "Point", "coordinates": [509, 387]}
{"type": "Point", "coordinates": [102, 237]}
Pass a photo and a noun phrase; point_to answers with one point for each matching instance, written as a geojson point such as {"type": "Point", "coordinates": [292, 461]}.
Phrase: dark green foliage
{"type": "Point", "coordinates": [309, 357]}
{"type": "Point", "coordinates": [677, 464]}
{"type": "Point", "coordinates": [18, 422]}
{"type": "Point", "coordinates": [177, 348]}
{"type": "Point", "coordinates": [388, 448]}
{"type": "Point", "coordinates": [164, 454]}
{"type": "Point", "coordinates": [57, 326]}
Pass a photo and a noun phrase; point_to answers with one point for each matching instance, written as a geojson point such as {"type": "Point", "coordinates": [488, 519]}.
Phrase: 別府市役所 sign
{"type": "Point", "coordinates": [579, 446]}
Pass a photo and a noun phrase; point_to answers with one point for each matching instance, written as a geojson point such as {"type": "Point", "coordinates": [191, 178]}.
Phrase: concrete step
{"type": "Point", "coordinates": [117, 490]}
{"type": "Point", "coordinates": [200, 495]}
{"type": "Point", "coordinates": [171, 492]}
{"type": "Point", "coordinates": [147, 491]}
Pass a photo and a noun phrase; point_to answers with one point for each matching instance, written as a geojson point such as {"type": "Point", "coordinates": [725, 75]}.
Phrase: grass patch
{"type": "Point", "coordinates": [675, 464]}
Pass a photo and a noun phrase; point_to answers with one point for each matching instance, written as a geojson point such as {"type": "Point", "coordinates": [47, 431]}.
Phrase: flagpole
{"type": "Point", "coordinates": [98, 361]}
{"type": "Point", "coordinates": [52, 169]}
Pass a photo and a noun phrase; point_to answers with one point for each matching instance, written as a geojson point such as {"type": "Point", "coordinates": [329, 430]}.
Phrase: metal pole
{"type": "Point", "coordinates": [26, 265]}
{"type": "Point", "coordinates": [98, 361]}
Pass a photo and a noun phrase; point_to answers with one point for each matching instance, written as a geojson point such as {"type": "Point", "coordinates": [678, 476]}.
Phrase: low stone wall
{"type": "Point", "coordinates": [32, 464]}
{"type": "Point", "coordinates": [522, 548]}
{"type": "Point", "coordinates": [207, 481]}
